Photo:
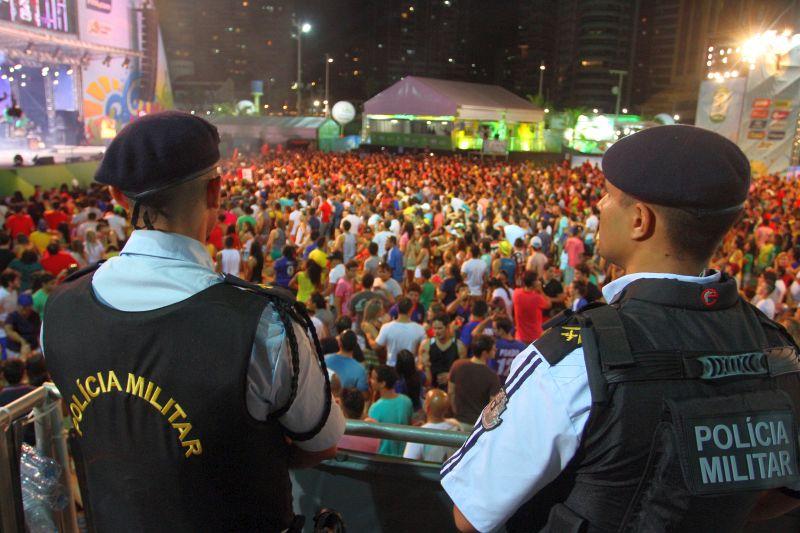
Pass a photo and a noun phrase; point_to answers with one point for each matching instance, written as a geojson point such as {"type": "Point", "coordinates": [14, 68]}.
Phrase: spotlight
{"type": "Point", "coordinates": [107, 61]}
{"type": "Point", "coordinates": [126, 63]}
{"type": "Point", "coordinates": [29, 49]}
{"type": "Point", "coordinates": [69, 72]}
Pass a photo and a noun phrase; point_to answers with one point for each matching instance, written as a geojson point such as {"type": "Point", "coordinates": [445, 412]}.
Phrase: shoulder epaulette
{"type": "Point", "coordinates": [82, 272]}
{"type": "Point", "coordinates": [558, 341]}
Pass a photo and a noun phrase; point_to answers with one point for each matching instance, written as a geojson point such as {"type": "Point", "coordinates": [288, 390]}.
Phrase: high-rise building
{"type": "Point", "coordinates": [593, 37]}
{"type": "Point", "coordinates": [215, 48]}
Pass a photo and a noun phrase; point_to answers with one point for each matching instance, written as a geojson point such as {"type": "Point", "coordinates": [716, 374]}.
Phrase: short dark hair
{"type": "Point", "coordinates": [443, 318]}
{"type": "Point", "coordinates": [373, 248]}
{"type": "Point", "coordinates": [414, 287]}
{"type": "Point", "coordinates": [319, 300]}
{"type": "Point", "coordinates": [386, 375]}
{"type": "Point", "coordinates": [695, 237]}
{"type": "Point", "coordinates": [348, 340]}
{"type": "Point", "coordinates": [229, 242]}
{"type": "Point", "coordinates": [504, 324]}
{"type": "Point", "coordinates": [404, 305]}
{"type": "Point", "coordinates": [479, 308]}
{"type": "Point", "coordinates": [367, 280]}
{"type": "Point", "coordinates": [529, 278]}
{"type": "Point", "coordinates": [13, 370]}
{"type": "Point", "coordinates": [352, 403]}
{"type": "Point", "coordinates": [481, 344]}
{"type": "Point", "coordinates": [7, 277]}
{"type": "Point", "coordinates": [346, 225]}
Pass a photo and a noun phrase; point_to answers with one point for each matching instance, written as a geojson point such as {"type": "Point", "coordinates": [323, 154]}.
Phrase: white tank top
{"type": "Point", "coordinates": [231, 261]}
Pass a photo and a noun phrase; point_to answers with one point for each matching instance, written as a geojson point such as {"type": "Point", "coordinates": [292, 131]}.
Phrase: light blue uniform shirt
{"type": "Point", "coordinates": [156, 269]}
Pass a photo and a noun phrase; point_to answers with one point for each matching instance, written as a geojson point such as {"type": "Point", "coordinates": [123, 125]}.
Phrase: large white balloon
{"type": "Point", "coordinates": [343, 112]}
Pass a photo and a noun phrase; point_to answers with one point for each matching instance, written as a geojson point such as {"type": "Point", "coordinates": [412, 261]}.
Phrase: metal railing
{"type": "Point", "coordinates": [45, 403]}
{"type": "Point", "coordinates": [453, 439]}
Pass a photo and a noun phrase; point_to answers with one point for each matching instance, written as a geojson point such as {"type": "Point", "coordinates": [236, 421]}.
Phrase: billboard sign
{"type": "Point", "coordinates": [53, 15]}
{"type": "Point", "coordinates": [104, 6]}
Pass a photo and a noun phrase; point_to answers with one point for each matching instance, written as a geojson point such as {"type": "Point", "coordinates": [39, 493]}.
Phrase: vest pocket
{"type": "Point", "coordinates": [562, 519]}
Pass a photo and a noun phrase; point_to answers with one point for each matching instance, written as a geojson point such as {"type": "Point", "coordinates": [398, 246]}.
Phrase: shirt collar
{"type": "Point", "coordinates": [167, 246]}
{"type": "Point", "coordinates": [615, 288]}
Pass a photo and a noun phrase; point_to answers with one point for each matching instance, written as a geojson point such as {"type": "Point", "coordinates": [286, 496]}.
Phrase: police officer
{"type": "Point", "coordinates": [674, 408]}
{"type": "Point", "coordinates": [191, 394]}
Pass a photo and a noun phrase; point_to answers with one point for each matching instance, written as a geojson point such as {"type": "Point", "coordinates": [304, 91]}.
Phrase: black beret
{"type": "Point", "coordinates": [159, 151]}
{"type": "Point", "coordinates": [680, 166]}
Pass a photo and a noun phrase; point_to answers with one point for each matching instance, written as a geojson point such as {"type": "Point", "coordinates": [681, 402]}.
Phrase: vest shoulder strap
{"type": "Point", "coordinates": [290, 310]}
{"type": "Point", "coordinates": [82, 272]}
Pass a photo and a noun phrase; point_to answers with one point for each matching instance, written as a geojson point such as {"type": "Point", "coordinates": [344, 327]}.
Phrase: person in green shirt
{"type": "Point", "coordinates": [391, 408]}
{"type": "Point", "coordinates": [45, 281]}
{"type": "Point", "coordinates": [248, 217]}
{"type": "Point", "coordinates": [428, 290]}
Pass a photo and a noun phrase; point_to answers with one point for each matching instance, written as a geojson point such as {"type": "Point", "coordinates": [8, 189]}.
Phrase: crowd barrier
{"type": "Point", "coordinates": [44, 403]}
{"type": "Point", "coordinates": [372, 493]}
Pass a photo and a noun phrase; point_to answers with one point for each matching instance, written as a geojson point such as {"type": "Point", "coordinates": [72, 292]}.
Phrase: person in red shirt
{"type": "Point", "coordinates": [529, 302]}
{"type": "Point", "coordinates": [56, 260]}
{"type": "Point", "coordinates": [325, 211]}
{"type": "Point", "coordinates": [19, 222]}
{"type": "Point", "coordinates": [55, 216]}
{"type": "Point", "coordinates": [218, 233]}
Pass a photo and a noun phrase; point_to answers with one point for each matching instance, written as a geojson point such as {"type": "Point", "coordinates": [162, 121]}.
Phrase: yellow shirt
{"type": "Point", "coordinates": [319, 257]}
{"type": "Point", "coordinates": [40, 240]}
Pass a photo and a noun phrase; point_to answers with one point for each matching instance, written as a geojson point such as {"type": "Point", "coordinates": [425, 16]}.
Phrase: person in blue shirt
{"type": "Point", "coordinates": [285, 267]}
{"type": "Point", "coordinates": [395, 258]}
{"type": "Point", "coordinates": [351, 374]}
{"type": "Point", "coordinates": [477, 315]}
{"type": "Point", "coordinates": [507, 347]}
{"type": "Point", "coordinates": [417, 313]}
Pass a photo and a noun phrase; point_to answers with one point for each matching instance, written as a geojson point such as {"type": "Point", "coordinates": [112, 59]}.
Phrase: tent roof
{"type": "Point", "coordinates": [267, 121]}
{"type": "Point", "coordinates": [429, 96]}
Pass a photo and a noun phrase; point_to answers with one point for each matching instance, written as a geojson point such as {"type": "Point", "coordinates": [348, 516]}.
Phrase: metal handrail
{"type": "Point", "coordinates": [45, 402]}
{"type": "Point", "coordinates": [377, 430]}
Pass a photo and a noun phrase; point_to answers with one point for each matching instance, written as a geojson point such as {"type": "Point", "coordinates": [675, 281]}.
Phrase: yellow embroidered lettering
{"type": "Point", "coordinates": [93, 393]}
{"type": "Point", "coordinates": [194, 447]}
{"type": "Point", "coordinates": [80, 405]}
{"type": "Point", "coordinates": [113, 381]}
{"type": "Point", "coordinates": [153, 398]}
{"type": "Point", "coordinates": [103, 388]}
{"type": "Point", "coordinates": [178, 413]}
{"type": "Point", "coordinates": [135, 385]}
{"type": "Point", "coordinates": [183, 428]}
{"type": "Point", "coordinates": [83, 391]}
{"type": "Point", "coordinates": [167, 406]}
{"type": "Point", "coordinates": [148, 392]}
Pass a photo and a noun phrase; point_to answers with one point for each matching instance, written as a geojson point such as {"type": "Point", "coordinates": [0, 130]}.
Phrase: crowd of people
{"type": "Point", "coordinates": [424, 275]}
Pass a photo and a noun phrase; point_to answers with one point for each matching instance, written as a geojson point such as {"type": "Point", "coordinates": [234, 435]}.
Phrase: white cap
{"type": "Point", "coordinates": [536, 242]}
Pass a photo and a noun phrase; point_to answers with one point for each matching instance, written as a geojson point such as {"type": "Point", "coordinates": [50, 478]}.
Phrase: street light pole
{"type": "Point", "coordinates": [621, 74]}
{"type": "Point", "coordinates": [300, 29]}
{"type": "Point", "coordinates": [328, 61]}
{"type": "Point", "coordinates": [541, 78]}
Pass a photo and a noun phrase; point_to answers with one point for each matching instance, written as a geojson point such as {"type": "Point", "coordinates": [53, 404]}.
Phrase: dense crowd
{"type": "Point", "coordinates": [424, 275]}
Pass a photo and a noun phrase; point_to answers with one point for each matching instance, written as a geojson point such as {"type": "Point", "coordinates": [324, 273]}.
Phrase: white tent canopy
{"type": "Point", "coordinates": [470, 101]}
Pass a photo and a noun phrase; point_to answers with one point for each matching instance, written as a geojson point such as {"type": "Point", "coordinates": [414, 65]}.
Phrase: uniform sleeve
{"type": "Point", "coordinates": [269, 378]}
{"type": "Point", "coordinates": [518, 448]}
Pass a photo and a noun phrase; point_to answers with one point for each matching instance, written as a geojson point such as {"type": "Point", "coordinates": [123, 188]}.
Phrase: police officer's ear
{"type": "Point", "coordinates": [644, 221]}
{"type": "Point", "coordinates": [213, 189]}
{"type": "Point", "coordinates": [119, 197]}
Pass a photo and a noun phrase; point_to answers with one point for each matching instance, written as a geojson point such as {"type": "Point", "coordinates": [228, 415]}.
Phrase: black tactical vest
{"type": "Point", "coordinates": [695, 399]}
{"type": "Point", "coordinates": [157, 399]}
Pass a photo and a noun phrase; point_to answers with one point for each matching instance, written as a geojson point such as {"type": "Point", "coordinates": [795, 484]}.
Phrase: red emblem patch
{"type": "Point", "coordinates": [709, 297]}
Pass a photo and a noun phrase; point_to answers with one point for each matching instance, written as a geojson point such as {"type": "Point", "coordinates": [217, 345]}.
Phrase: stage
{"type": "Point", "coordinates": [60, 153]}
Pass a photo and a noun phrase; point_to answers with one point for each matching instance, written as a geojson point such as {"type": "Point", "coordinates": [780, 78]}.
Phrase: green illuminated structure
{"type": "Point", "coordinates": [448, 115]}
